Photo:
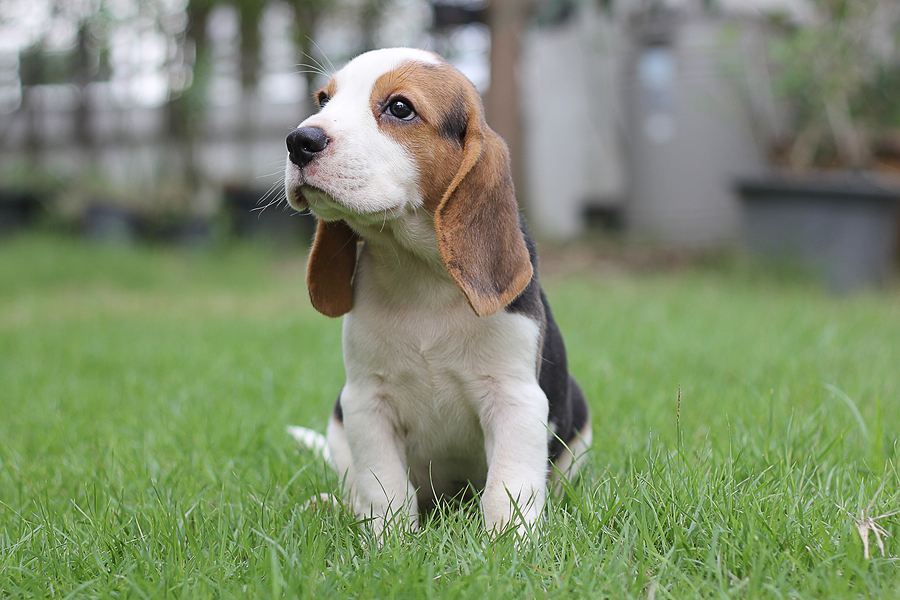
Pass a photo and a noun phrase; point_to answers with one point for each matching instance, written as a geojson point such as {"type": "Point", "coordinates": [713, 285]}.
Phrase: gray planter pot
{"type": "Point", "coordinates": [844, 228]}
{"type": "Point", "coordinates": [19, 210]}
{"type": "Point", "coordinates": [108, 223]}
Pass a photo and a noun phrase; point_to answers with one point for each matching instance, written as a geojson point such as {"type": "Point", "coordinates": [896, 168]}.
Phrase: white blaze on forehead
{"type": "Point", "coordinates": [353, 84]}
{"type": "Point", "coordinates": [365, 171]}
{"type": "Point", "coordinates": [370, 66]}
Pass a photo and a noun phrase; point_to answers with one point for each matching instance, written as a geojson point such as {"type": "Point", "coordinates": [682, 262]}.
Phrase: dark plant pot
{"type": "Point", "coordinates": [844, 228]}
{"type": "Point", "coordinates": [196, 233]}
{"type": "Point", "coordinates": [18, 210]}
{"type": "Point", "coordinates": [250, 217]}
{"type": "Point", "coordinates": [107, 222]}
{"type": "Point", "coordinates": [168, 229]}
{"type": "Point", "coordinates": [113, 224]}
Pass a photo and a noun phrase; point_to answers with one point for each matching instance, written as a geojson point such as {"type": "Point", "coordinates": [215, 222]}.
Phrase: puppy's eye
{"type": "Point", "coordinates": [402, 109]}
{"type": "Point", "coordinates": [322, 99]}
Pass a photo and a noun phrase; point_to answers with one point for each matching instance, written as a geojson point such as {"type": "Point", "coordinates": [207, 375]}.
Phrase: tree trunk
{"type": "Point", "coordinates": [184, 111]}
{"type": "Point", "coordinates": [83, 74]}
{"type": "Point", "coordinates": [251, 43]}
{"type": "Point", "coordinates": [306, 20]}
{"type": "Point", "coordinates": [506, 19]}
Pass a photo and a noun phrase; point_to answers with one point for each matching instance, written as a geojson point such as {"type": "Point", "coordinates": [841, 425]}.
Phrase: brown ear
{"type": "Point", "coordinates": [329, 272]}
{"type": "Point", "coordinates": [477, 223]}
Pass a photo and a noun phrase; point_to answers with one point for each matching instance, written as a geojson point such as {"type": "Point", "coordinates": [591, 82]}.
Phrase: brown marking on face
{"type": "Point", "coordinates": [437, 93]}
{"type": "Point", "coordinates": [464, 178]}
{"type": "Point", "coordinates": [326, 93]}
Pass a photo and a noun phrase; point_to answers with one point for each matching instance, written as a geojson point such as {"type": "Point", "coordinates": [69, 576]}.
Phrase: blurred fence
{"type": "Point", "coordinates": [235, 143]}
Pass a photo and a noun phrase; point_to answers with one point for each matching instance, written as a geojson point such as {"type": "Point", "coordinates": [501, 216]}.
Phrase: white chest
{"type": "Point", "coordinates": [415, 350]}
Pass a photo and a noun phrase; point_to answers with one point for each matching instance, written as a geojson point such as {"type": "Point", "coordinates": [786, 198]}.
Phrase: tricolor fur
{"type": "Point", "coordinates": [456, 370]}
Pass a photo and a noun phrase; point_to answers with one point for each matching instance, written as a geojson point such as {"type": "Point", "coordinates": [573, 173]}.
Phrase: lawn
{"type": "Point", "coordinates": [745, 435]}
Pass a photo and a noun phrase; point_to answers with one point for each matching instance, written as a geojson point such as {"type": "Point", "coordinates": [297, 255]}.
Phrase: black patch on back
{"type": "Point", "coordinates": [338, 411]}
{"type": "Point", "coordinates": [529, 302]}
{"type": "Point", "coordinates": [567, 408]}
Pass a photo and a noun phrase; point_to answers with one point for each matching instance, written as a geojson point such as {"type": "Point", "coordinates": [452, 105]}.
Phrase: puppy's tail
{"type": "Point", "coordinates": [313, 441]}
{"type": "Point", "coordinates": [316, 443]}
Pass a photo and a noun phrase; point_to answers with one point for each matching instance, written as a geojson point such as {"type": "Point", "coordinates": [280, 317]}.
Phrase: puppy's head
{"type": "Point", "coordinates": [401, 132]}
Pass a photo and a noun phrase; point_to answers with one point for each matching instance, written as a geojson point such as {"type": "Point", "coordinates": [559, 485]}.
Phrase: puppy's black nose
{"type": "Point", "coordinates": [305, 143]}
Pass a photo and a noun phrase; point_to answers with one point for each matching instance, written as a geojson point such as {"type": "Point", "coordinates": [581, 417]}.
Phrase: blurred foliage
{"type": "Point", "coordinates": [72, 47]}
{"type": "Point", "coordinates": [841, 77]}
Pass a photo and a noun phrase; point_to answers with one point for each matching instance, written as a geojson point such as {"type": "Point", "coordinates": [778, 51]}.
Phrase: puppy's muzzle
{"type": "Point", "coordinates": [305, 143]}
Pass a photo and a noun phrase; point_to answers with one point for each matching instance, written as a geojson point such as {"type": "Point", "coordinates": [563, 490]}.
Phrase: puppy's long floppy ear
{"type": "Point", "coordinates": [329, 272]}
{"type": "Point", "coordinates": [477, 221]}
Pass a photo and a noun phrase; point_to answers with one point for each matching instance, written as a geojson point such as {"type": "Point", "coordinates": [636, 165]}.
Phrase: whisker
{"type": "Point", "coordinates": [275, 195]}
{"type": "Point", "coordinates": [324, 55]}
{"type": "Point", "coordinates": [272, 188]}
{"type": "Point", "coordinates": [278, 173]}
{"type": "Point", "coordinates": [278, 200]}
{"type": "Point", "coordinates": [262, 207]}
{"type": "Point", "coordinates": [315, 66]}
{"type": "Point", "coordinates": [304, 69]}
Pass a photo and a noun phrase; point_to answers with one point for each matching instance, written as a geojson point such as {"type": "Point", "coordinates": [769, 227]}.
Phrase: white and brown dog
{"type": "Point", "coordinates": [456, 371]}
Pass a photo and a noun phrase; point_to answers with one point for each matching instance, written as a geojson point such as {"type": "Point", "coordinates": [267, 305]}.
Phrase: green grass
{"type": "Point", "coordinates": [144, 394]}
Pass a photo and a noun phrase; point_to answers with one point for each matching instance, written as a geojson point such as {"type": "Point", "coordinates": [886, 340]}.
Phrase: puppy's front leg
{"type": "Point", "coordinates": [383, 491]}
{"type": "Point", "coordinates": [515, 427]}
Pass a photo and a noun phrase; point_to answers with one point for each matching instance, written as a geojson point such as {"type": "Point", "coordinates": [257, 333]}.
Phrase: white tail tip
{"type": "Point", "coordinates": [311, 440]}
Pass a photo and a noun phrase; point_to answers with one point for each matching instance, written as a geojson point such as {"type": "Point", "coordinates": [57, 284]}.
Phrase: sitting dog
{"type": "Point", "coordinates": [456, 376]}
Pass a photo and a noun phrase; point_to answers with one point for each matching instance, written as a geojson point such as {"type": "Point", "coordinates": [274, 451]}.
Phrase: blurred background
{"type": "Point", "coordinates": [766, 124]}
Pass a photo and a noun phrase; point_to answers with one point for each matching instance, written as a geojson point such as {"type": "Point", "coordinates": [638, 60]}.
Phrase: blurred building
{"type": "Point", "coordinates": [639, 114]}
{"type": "Point", "coordinates": [629, 111]}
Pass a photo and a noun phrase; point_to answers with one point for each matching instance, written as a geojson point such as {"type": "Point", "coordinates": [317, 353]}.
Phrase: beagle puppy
{"type": "Point", "coordinates": [456, 376]}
